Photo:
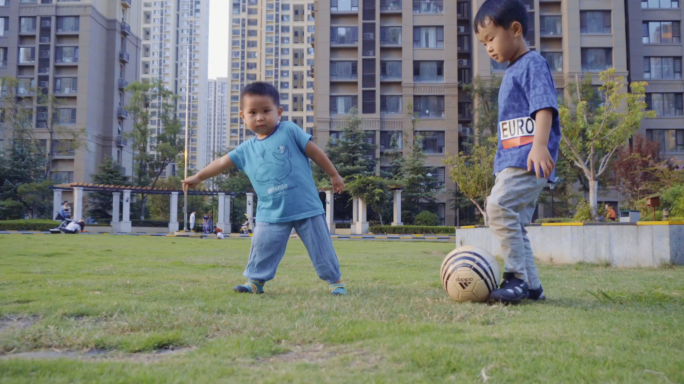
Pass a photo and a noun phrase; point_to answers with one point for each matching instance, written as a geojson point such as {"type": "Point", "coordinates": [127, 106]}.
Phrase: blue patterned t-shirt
{"type": "Point", "coordinates": [280, 173]}
{"type": "Point", "coordinates": [526, 88]}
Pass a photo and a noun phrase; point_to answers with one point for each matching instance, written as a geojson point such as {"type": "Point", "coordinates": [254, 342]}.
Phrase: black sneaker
{"type": "Point", "coordinates": [536, 294]}
{"type": "Point", "coordinates": [512, 290]}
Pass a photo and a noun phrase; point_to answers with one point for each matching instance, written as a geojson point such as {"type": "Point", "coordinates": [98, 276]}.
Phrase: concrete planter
{"type": "Point", "coordinates": [642, 244]}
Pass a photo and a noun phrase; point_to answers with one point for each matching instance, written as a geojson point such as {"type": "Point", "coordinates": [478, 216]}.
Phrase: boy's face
{"type": "Point", "coordinates": [260, 113]}
{"type": "Point", "coordinates": [501, 43]}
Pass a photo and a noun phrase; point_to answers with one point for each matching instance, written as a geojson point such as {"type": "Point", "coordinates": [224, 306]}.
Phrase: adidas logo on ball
{"type": "Point", "coordinates": [469, 274]}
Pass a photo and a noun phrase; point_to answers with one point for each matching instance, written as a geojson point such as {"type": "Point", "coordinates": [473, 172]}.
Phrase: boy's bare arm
{"type": "Point", "coordinates": [321, 159]}
{"type": "Point", "coordinates": [540, 159]}
{"type": "Point", "coordinates": [215, 168]}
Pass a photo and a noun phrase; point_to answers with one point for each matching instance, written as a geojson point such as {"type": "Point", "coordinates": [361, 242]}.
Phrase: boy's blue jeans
{"type": "Point", "coordinates": [270, 240]}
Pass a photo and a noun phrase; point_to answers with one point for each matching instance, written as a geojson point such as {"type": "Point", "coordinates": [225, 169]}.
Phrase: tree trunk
{"type": "Point", "coordinates": [144, 202]}
{"type": "Point", "coordinates": [482, 210]}
{"type": "Point", "coordinates": [593, 199]}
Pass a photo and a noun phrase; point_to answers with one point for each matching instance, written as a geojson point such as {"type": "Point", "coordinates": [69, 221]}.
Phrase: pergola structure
{"type": "Point", "coordinates": [359, 225]}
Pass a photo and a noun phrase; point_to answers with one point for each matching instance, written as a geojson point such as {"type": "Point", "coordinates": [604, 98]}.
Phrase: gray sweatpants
{"type": "Point", "coordinates": [510, 207]}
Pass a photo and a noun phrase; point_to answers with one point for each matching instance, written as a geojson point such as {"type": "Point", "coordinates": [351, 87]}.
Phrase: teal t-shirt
{"type": "Point", "coordinates": [280, 173]}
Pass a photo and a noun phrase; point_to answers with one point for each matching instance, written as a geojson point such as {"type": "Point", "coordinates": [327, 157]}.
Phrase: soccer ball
{"type": "Point", "coordinates": [470, 274]}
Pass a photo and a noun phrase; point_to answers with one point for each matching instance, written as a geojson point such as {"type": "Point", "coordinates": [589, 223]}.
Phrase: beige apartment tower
{"type": "Point", "coordinates": [385, 57]}
{"type": "Point", "coordinates": [84, 52]}
{"type": "Point", "coordinates": [270, 41]}
{"type": "Point", "coordinates": [171, 31]}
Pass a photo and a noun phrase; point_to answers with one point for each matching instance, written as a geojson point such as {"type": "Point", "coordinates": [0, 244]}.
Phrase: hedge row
{"type": "Point", "coordinates": [28, 225]}
{"type": "Point", "coordinates": [411, 229]}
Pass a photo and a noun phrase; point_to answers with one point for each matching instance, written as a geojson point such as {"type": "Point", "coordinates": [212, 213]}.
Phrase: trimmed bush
{"type": "Point", "coordinates": [553, 220]}
{"type": "Point", "coordinates": [28, 225]}
{"type": "Point", "coordinates": [151, 223]}
{"type": "Point", "coordinates": [426, 219]}
{"type": "Point", "coordinates": [412, 229]}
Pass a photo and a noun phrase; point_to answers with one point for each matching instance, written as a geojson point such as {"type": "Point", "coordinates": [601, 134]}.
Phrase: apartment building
{"type": "Point", "coordinates": [655, 56]}
{"type": "Point", "coordinates": [217, 118]}
{"type": "Point", "coordinates": [84, 52]}
{"type": "Point", "coordinates": [270, 41]}
{"type": "Point", "coordinates": [396, 61]}
{"type": "Point", "coordinates": [175, 35]}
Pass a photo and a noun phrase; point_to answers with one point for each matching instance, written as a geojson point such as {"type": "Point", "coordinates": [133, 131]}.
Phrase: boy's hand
{"type": "Point", "coordinates": [191, 182]}
{"type": "Point", "coordinates": [540, 160]}
{"type": "Point", "coordinates": [337, 183]}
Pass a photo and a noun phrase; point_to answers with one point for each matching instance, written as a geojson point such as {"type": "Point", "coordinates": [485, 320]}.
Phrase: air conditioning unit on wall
{"type": "Point", "coordinates": [462, 62]}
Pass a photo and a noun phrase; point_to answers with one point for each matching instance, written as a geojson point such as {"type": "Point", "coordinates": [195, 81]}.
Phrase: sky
{"type": "Point", "coordinates": [219, 20]}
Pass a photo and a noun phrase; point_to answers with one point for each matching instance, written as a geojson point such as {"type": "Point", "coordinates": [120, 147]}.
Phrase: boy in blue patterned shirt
{"type": "Point", "coordinates": [277, 163]}
{"type": "Point", "coordinates": [529, 136]}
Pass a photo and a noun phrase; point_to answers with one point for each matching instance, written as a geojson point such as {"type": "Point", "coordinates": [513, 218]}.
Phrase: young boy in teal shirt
{"type": "Point", "coordinates": [277, 163]}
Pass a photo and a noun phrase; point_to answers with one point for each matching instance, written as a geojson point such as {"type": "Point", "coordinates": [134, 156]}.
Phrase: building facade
{"type": "Point", "coordinates": [84, 53]}
{"type": "Point", "coordinates": [217, 119]}
{"type": "Point", "coordinates": [655, 56]}
{"type": "Point", "coordinates": [396, 62]}
{"type": "Point", "coordinates": [270, 41]}
{"type": "Point", "coordinates": [172, 30]}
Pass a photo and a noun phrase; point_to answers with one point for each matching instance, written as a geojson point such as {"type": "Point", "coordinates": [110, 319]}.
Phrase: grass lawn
{"type": "Point", "coordinates": [128, 299]}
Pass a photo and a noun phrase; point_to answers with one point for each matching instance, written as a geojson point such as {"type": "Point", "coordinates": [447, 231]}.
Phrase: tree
{"type": "Point", "coordinates": [373, 190]}
{"type": "Point", "coordinates": [37, 198]}
{"type": "Point", "coordinates": [237, 182]}
{"type": "Point", "coordinates": [419, 188]}
{"type": "Point", "coordinates": [593, 132]}
{"type": "Point", "coordinates": [635, 169]}
{"type": "Point", "coordinates": [154, 148]}
{"type": "Point", "coordinates": [108, 173]}
{"type": "Point", "coordinates": [472, 170]}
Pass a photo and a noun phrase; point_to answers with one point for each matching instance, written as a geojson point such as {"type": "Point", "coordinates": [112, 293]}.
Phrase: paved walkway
{"type": "Point", "coordinates": [243, 236]}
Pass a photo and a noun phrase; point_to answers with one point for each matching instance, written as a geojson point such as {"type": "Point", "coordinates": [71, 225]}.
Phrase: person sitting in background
{"type": "Point", "coordinates": [610, 213]}
{"type": "Point", "coordinates": [219, 233]}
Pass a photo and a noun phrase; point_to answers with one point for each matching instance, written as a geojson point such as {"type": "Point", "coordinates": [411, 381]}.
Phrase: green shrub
{"type": "Point", "coordinates": [673, 199]}
{"type": "Point", "coordinates": [551, 220]}
{"type": "Point", "coordinates": [583, 213]}
{"type": "Point", "coordinates": [28, 225]}
{"type": "Point", "coordinates": [154, 223]}
{"type": "Point", "coordinates": [426, 219]}
{"type": "Point", "coordinates": [11, 210]}
{"type": "Point", "coordinates": [412, 229]}
{"type": "Point", "coordinates": [676, 218]}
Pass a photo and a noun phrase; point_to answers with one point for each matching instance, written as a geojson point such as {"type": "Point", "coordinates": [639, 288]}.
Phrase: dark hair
{"type": "Point", "coordinates": [501, 13]}
{"type": "Point", "coordinates": [261, 88]}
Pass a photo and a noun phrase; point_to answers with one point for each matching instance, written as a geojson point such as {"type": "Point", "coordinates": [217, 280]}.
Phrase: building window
{"type": "Point", "coordinates": [3, 57]}
{"type": "Point", "coordinates": [390, 104]}
{"type": "Point", "coordinates": [4, 26]}
{"type": "Point", "coordinates": [670, 140]}
{"type": "Point", "coordinates": [438, 176]}
{"type": "Point", "coordinates": [656, 4]}
{"type": "Point", "coordinates": [297, 103]}
{"type": "Point", "coordinates": [428, 37]}
{"type": "Point", "coordinates": [550, 25]}
{"type": "Point", "coordinates": [555, 60]}
{"type": "Point", "coordinates": [428, 71]}
{"type": "Point", "coordinates": [27, 25]}
{"type": "Point", "coordinates": [343, 70]}
{"type": "Point", "coordinates": [344, 35]}
{"type": "Point", "coordinates": [433, 141]}
{"type": "Point", "coordinates": [344, 5]}
{"type": "Point", "coordinates": [341, 105]}
{"type": "Point", "coordinates": [595, 22]}
{"type": "Point", "coordinates": [368, 47]}
{"type": "Point", "coordinates": [284, 85]}
{"type": "Point", "coordinates": [390, 35]}
{"type": "Point", "coordinates": [298, 57]}
{"type": "Point", "coordinates": [66, 85]}
{"type": "Point", "coordinates": [428, 6]}
{"type": "Point", "coordinates": [251, 77]}
{"type": "Point", "coordinates": [390, 70]}
{"type": "Point", "coordinates": [429, 107]}
{"type": "Point", "coordinates": [661, 32]}
{"type": "Point", "coordinates": [369, 138]}
{"type": "Point", "coordinates": [66, 55]}
{"type": "Point", "coordinates": [665, 104]}
{"type": "Point", "coordinates": [368, 102]}
{"type": "Point", "coordinates": [391, 140]}
{"type": "Point", "coordinates": [66, 116]}
{"type": "Point", "coordinates": [662, 67]}
{"type": "Point", "coordinates": [596, 59]}
{"type": "Point", "coordinates": [27, 55]}
{"type": "Point", "coordinates": [335, 137]}
{"type": "Point", "coordinates": [67, 24]}
{"type": "Point", "coordinates": [390, 5]}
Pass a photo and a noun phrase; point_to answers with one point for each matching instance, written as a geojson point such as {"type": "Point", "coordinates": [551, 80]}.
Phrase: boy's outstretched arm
{"type": "Point", "coordinates": [215, 168]}
{"type": "Point", "coordinates": [321, 159]}
{"type": "Point", "coordinates": [539, 159]}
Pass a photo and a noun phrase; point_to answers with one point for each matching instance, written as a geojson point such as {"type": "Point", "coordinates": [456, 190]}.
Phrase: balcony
{"type": "Point", "coordinates": [123, 84]}
{"type": "Point", "coordinates": [125, 28]}
{"type": "Point", "coordinates": [121, 141]}
{"type": "Point", "coordinates": [124, 56]}
{"type": "Point", "coordinates": [390, 6]}
{"type": "Point", "coordinates": [429, 6]}
{"type": "Point", "coordinates": [126, 3]}
{"type": "Point", "coordinates": [121, 113]}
